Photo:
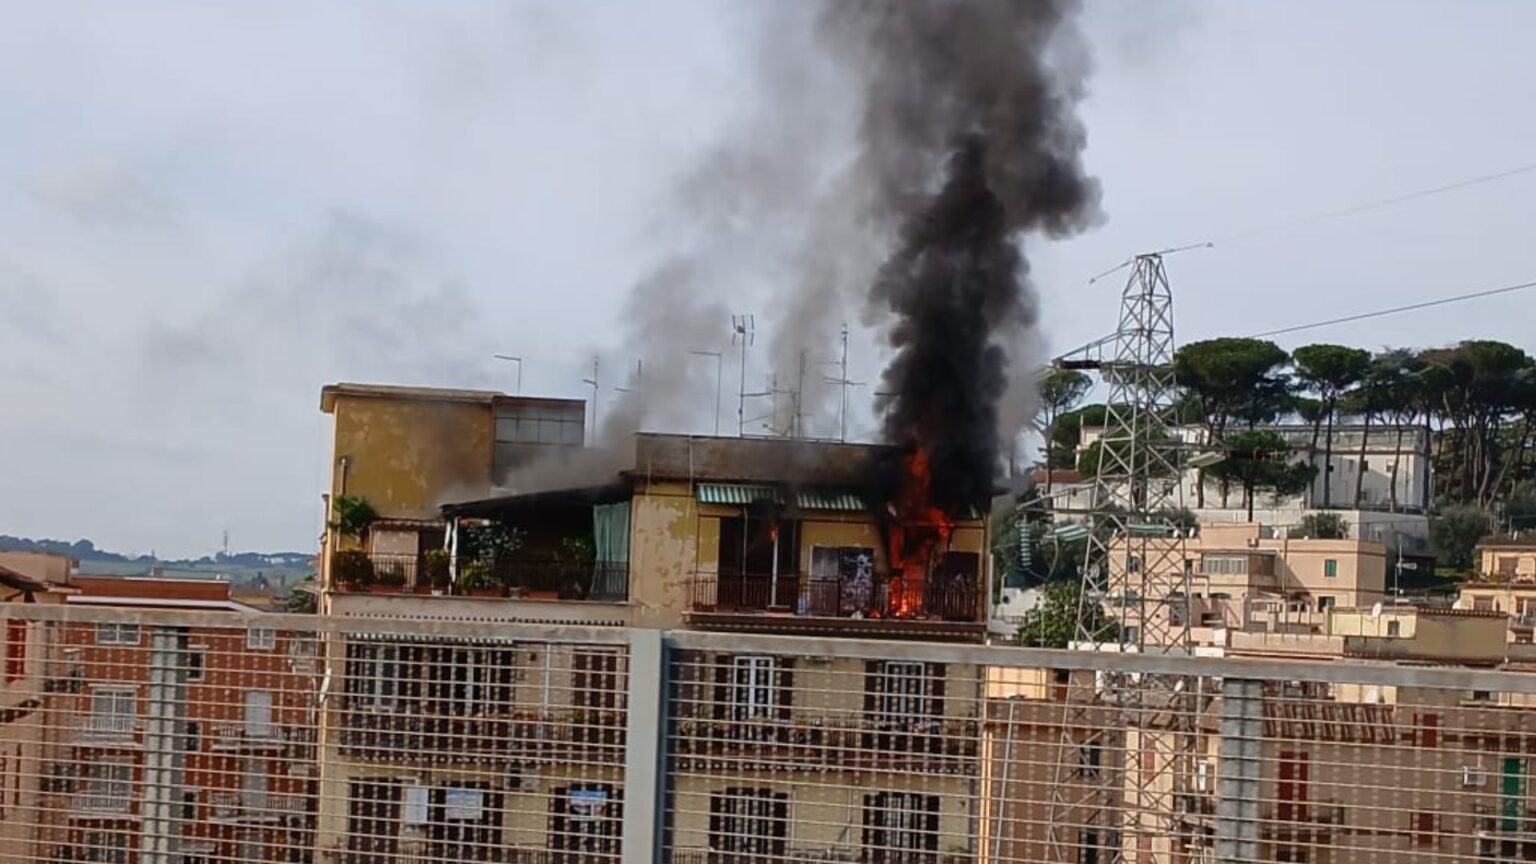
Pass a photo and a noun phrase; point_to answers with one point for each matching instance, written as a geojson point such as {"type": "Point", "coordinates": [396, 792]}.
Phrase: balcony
{"type": "Point", "coordinates": [949, 607]}
{"type": "Point", "coordinates": [253, 807]}
{"type": "Point", "coordinates": [923, 746]}
{"type": "Point", "coordinates": [106, 729]}
{"type": "Point", "coordinates": [241, 737]}
{"type": "Point", "coordinates": [555, 736]}
{"type": "Point", "coordinates": [499, 576]}
{"type": "Point", "coordinates": [97, 805]}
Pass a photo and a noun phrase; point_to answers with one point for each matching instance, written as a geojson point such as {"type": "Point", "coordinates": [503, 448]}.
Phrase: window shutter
{"type": "Point", "coordinates": [872, 684]}
{"type": "Point", "coordinates": [935, 674]}
{"type": "Point", "coordinates": [785, 697]}
{"type": "Point", "coordinates": [722, 686]}
{"type": "Point", "coordinates": [931, 825]}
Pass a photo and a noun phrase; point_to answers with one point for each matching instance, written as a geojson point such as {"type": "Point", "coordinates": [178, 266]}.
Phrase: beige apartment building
{"type": "Point", "coordinates": [446, 747]}
{"type": "Point", "coordinates": [29, 679]}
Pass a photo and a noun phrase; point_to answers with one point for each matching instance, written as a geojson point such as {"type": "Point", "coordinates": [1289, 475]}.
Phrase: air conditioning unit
{"type": "Point", "coordinates": [1472, 777]}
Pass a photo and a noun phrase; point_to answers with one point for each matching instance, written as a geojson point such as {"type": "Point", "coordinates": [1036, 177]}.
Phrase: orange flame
{"type": "Point", "coordinates": [919, 530]}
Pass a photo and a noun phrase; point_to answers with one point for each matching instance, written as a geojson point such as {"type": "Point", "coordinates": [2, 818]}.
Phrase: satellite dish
{"type": "Point", "coordinates": [1376, 611]}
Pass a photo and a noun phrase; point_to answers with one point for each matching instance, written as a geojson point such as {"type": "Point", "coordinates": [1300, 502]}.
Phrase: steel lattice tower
{"type": "Point", "coordinates": [1127, 742]}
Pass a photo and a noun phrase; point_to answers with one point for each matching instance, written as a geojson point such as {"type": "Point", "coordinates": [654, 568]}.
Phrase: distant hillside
{"type": "Point", "coordinates": [274, 570]}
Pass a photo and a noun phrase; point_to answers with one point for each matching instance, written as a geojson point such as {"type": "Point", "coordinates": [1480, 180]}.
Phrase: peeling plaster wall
{"type": "Point", "coordinates": [406, 456]}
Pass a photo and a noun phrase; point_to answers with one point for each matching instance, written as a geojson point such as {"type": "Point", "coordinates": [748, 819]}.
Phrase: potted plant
{"type": "Point", "coordinates": [353, 515]}
{"type": "Point", "coordinates": [352, 569]}
{"type": "Point", "coordinates": [437, 572]}
{"type": "Point", "coordinates": [478, 579]}
{"type": "Point", "coordinates": [576, 557]}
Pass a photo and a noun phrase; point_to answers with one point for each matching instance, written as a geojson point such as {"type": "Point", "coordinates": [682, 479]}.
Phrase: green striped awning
{"type": "Point", "coordinates": [736, 493]}
{"type": "Point", "coordinates": [830, 501]}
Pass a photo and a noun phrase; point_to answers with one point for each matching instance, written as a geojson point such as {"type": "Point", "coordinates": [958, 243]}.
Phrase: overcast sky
{"type": "Point", "coordinates": [210, 210]}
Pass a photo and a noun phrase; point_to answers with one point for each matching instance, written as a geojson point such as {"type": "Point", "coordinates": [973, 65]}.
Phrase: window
{"type": "Point", "coordinates": [1088, 850]}
{"type": "Point", "coordinates": [113, 710]}
{"type": "Point", "coordinates": [903, 692]}
{"type": "Point", "coordinates": [754, 695]}
{"type": "Point", "coordinates": [258, 713]}
{"type": "Point", "coordinates": [1429, 730]}
{"type": "Point", "coordinates": [189, 806]}
{"type": "Point", "coordinates": [1133, 564]}
{"type": "Point", "coordinates": [1508, 564]}
{"type": "Point", "coordinates": [109, 788]}
{"type": "Point", "coordinates": [117, 634]}
{"type": "Point", "coordinates": [584, 824]}
{"type": "Point", "coordinates": [595, 678]}
{"type": "Point", "coordinates": [901, 827]}
{"type": "Point", "coordinates": [472, 682]}
{"type": "Point", "coordinates": [748, 822]}
{"type": "Point", "coordinates": [15, 650]}
{"type": "Point", "coordinates": [1482, 604]}
{"type": "Point", "coordinates": [1324, 603]}
{"type": "Point", "coordinates": [1394, 627]}
{"type": "Point", "coordinates": [253, 784]}
{"type": "Point", "coordinates": [1330, 568]}
{"type": "Point", "coordinates": [260, 639]}
{"type": "Point", "coordinates": [107, 847]}
{"type": "Point", "coordinates": [194, 664]}
{"type": "Point", "coordinates": [373, 676]}
{"type": "Point", "coordinates": [373, 819]}
{"type": "Point", "coordinates": [1422, 825]}
{"type": "Point", "coordinates": [1224, 565]}
{"type": "Point", "coordinates": [191, 738]}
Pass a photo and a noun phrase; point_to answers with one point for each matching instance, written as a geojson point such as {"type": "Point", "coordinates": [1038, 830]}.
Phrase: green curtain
{"type": "Point", "coordinates": [610, 533]}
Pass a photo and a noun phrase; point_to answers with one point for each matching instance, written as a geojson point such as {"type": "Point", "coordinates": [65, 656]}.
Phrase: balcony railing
{"type": "Point", "coordinates": [881, 597]}
{"type": "Point", "coordinates": [253, 806]}
{"type": "Point", "coordinates": [920, 745]}
{"type": "Point", "coordinates": [96, 803]}
{"type": "Point", "coordinates": [505, 575]}
{"type": "Point", "coordinates": [239, 735]}
{"type": "Point", "coordinates": [106, 727]}
{"type": "Point", "coordinates": [575, 734]}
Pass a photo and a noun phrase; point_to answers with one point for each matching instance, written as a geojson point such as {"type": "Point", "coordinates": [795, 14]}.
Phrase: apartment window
{"type": "Point", "coordinates": [373, 819]}
{"type": "Point", "coordinates": [1330, 568]}
{"type": "Point", "coordinates": [117, 634]}
{"type": "Point", "coordinates": [373, 676]}
{"type": "Point", "coordinates": [253, 784]}
{"type": "Point", "coordinates": [903, 692]}
{"type": "Point", "coordinates": [191, 738]}
{"type": "Point", "coordinates": [258, 713]}
{"type": "Point", "coordinates": [1133, 564]}
{"type": "Point", "coordinates": [1508, 565]}
{"type": "Point", "coordinates": [1394, 627]}
{"type": "Point", "coordinates": [470, 682]}
{"type": "Point", "coordinates": [1324, 603]}
{"type": "Point", "coordinates": [15, 650]}
{"type": "Point", "coordinates": [260, 639]}
{"type": "Point", "coordinates": [595, 678]}
{"type": "Point", "coordinates": [1482, 604]}
{"type": "Point", "coordinates": [1088, 849]}
{"type": "Point", "coordinates": [1422, 826]}
{"type": "Point", "coordinates": [584, 824]}
{"type": "Point", "coordinates": [1224, 565]}
{"type": "Point", "coordinates": [194, 664]}
{"type": "Point", "coordinates": [109, 788]}
{"type": "Point", "coordinates": [754, 691]}
{"type": "Point", "coordinates": [107, 847]}
{"type": "Point", "coordinates": [748, 822]}
{"type": "Point", "coordinates": [1429, 730]}
{"type": "Point", "coordinates": [113, 710]}
{"type": "Point", "coordinates": [189, 806]}
{"type": "Point", "coordinates": [901, 827]}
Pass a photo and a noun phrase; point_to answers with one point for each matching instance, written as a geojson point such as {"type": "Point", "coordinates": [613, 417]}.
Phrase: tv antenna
{"type": "Point", "coordinates": [596, 362]}
{"type": "Point", "coordinates": [743, 333]}
{"type": "Point", "coordinates": [843, 383]}
{"type": "Point", "coordinates": [637, 382]}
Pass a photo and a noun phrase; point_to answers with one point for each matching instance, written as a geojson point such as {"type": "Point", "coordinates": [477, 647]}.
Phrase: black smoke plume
{"type": "Point", "coordinates": [971, 140]}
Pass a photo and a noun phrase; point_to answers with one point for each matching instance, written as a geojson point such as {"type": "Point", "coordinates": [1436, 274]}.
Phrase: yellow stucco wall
{"type": "Point", "coordinates": [408, 456]}
{"type": "Point", "coordinates": [663, 549]}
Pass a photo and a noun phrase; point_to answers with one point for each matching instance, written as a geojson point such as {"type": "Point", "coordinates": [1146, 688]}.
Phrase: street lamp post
{"type": "Point", "coordinates": [519, 361]}
{"type": "Point", "coordinates": [719, 371]}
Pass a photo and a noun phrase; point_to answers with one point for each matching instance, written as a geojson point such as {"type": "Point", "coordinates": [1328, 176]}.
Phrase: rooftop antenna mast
{"type": "Point", "coordinates": [596, 363]}
{"type": "Point", "coordinates": [743, 333]}
{"type": "Point", "coordinates": [1135, 578]}
{"type": "Point", "coordinates": [843, 383]}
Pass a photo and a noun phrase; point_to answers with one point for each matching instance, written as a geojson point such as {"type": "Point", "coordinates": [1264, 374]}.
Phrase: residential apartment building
{"type": "Point", "coordinates": [1377, 479]}
{"type": "Point", "coordinates": [441, 746]}
{"type": "Point", "coordinates": [29, 679]}
{"type": "Point", "coordinates": [177, 745]}
{"type": "Point", "coordinates": [1344, 771]}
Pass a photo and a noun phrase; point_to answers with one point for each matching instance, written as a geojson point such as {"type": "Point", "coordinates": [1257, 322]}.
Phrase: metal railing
{"type": "Point", "coordinates": [880, 597]}
{"type": "Point", "coordinates": [492, 576]}
{"type": "Point", "coordinates": [436, 741]}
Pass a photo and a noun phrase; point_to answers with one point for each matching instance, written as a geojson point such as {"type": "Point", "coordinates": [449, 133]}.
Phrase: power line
{"type": "Point", "coordinates": [1397, 309]}
{"type": "Point", "coordinates": [1374, 205]}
